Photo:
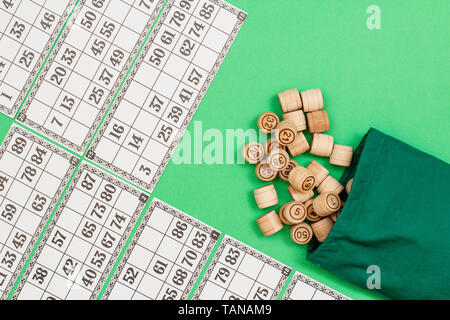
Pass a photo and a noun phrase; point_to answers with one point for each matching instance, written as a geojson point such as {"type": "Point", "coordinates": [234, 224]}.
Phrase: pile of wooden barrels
{"type": "Point", "coordinates": [274, 159]}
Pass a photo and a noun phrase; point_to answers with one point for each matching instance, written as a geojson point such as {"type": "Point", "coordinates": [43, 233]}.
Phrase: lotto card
{"type": "Point", "coordinates": [305, 288]}
{"type": "Point", "coordinates": [165, 257]}
{"type": "Point", "coordinates": [238, 272]}
{"type": "Point", "coordinates": [84, 239]}
{"type": "Point", "coordinates": [28, 29]}
{"type": "Point", "coordinates": [33, 175]}
{"type": "Point", "coordinates": [87, 67]}
{"type": "Point", "coordinates": [165, 88]}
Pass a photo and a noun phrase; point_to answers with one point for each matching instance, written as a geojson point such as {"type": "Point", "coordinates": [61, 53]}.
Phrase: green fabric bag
{"type": "Point", "coordinates": [397, 217]}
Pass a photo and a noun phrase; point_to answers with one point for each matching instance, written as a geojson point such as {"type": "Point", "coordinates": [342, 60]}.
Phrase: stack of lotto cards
{"type": "Point", "coordinates": [101, 92]}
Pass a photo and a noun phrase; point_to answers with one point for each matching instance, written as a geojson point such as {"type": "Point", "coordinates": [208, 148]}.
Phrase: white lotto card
{"type": "Point", "coordinates": [28, 29]}
{"type": "Point", "coordinates": [165, 88]}
{"type": "Point", "coordinates": [84, 239]}
{"type": "Point", "coordinates": [304, 288]}
{"type": "Point", "coordinates": [87, 67]}
{"type": "Point", "coordinates": [165, 258]}
{"type": "Point", "coordinates": [33, 175]}
{"type": "Point", "coordinates": [239, 272]}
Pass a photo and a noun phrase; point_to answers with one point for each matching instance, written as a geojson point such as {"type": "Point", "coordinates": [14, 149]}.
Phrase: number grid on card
{"type": "Point", "coordinates": [140, 153]}
{"type": "Point", "coordinates": [34, 27]}
{"type": "Point", "coordinates": [303, 287]}
{"type": "Point", "coordinates": [239, 272]}
{"type": "Point", "coordinates": [152, 271]}
{"type": "Point", "coordinates": [86, 69]}
{"type": "Point", "coordinates": [65, 275]}
{"type": "Point", "coordinates": [47, 172]}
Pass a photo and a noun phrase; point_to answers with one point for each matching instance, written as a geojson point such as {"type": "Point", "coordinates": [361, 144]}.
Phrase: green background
{"type": "Point", "coordinates": [394, 79]}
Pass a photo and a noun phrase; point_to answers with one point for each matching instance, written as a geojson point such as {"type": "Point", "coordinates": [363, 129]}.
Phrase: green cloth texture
{"type": "Point", "coordinates": [397, 217]}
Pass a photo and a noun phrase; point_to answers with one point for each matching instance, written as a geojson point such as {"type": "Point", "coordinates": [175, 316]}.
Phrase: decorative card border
{"type": "Point", "coordinates": [85, 166]}
{"type": "Point", "coordinates": [285, 271]}
{"type": "Point", "coordinates": [22, 117]}
{"type": "Point", "coordinates": [151, 186]}
{"type": "Point", "coordinates": [313, 283]}
{"type": "Point", "coordinates": [73, 164]}
{"type": "Point", "coordinates": [156, 203]}
{"type": "Point", "coordinates": [29, 83]}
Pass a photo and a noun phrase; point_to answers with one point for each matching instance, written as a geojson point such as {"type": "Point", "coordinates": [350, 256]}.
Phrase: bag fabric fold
{"type": "Point", "coordinates": [395, 220]}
